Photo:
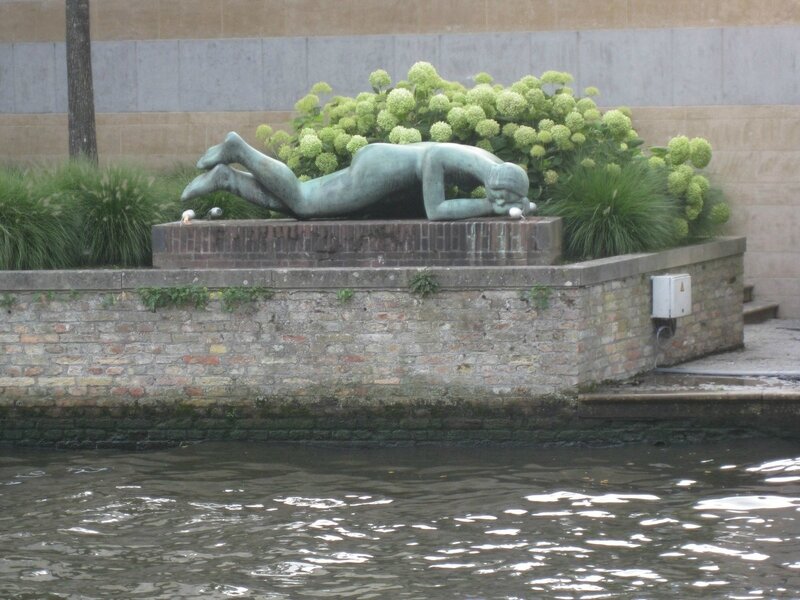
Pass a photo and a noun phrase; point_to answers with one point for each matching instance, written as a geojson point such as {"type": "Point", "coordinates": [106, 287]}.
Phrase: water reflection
{"type": "Point", "coordinates": [296, 522]}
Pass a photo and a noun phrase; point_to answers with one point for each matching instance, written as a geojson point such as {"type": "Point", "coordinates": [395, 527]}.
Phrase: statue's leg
{"type": "Point", "coordinates": [224, 178]}
{"type": "Point", "coordinates": [273, 176]}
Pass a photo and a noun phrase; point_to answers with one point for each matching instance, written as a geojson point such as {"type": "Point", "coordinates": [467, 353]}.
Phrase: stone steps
{"type": "Point", "coordinates": [757, 312]}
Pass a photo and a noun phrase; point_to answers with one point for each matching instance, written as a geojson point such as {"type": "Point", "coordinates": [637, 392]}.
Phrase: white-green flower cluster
{"type": "Point", "coordinates": [538, 123]}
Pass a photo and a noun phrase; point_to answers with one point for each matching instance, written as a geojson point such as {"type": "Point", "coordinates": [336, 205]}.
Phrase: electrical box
{"type": "Point", "coordinates": [672, 296]}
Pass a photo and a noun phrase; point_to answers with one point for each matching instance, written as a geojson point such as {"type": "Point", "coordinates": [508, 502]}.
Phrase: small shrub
{"type": "Point", "coordinates": [424, 283]}
{"type": "Point", "coordinates": [613, 209]}
{"type": "Point", "coordinates": [7, 301]}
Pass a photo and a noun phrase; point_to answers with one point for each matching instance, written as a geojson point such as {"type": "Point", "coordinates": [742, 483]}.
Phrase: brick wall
{"type": "Point", "coordinates": [490, 340]}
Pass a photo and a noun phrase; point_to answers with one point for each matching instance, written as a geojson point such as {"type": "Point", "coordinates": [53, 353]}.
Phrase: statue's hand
{"type": "Point", "coordinates": [501, 205]}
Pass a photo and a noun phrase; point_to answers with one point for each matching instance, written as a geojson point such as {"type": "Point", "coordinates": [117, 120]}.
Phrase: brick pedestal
{"type": "Point", "coordinates": [289, 243]}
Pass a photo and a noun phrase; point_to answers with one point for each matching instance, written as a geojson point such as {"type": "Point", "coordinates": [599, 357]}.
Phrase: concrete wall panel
{"type": "Point", "coordinates": [697, 66]}
{"type": "Point", "coordinates": [629, 66]}
{"type": "Point", "coordinates": [554, 51]}
{"type": "Point", "coordinates": [221, 75]}
{"type": "Point", "coordinates": [285, 71]}
{"type": "Point", "coordinates": [34, 78]}
{"type": "Point", "coordinates": [7, 78]}
{"type": "Point", "coordinates": [761, 65]}
{"type": "Point", "coordinates": [409, 49]}
{"type": "Point", "coordinates": [62, 98]}
{"type": "Point", "coordinates": [345, 63]}
{"type": "Point", "coordinates": [114, 74]}
{"type": "Point", "coordinates": [158, 76]}
{"type": "Point", "coordinates": [506, 57]}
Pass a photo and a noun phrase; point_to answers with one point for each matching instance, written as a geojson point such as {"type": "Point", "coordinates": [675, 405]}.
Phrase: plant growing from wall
{"type": "Point", "coordinates": [345, 295]}
{"type": "Point", "coordinates": [539, 296]}
{"type": "Point", "coordinates": [423, 283]}
{"type": "Point", "coordinates": [7, 302]}
{"type": "Point", "coordinates": [234, 297]}
{"type": "Point", "coordinates": [166, 297]}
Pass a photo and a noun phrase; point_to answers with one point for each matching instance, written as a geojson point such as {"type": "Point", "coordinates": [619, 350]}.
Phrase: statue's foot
{"type": "Point", "coordinates": [207, 183]}
{"type": "Point", "coordinates": [221, 154]}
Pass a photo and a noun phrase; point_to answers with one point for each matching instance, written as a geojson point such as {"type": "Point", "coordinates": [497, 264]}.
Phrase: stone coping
{"type": "Point", "coordinates": [568, 275]}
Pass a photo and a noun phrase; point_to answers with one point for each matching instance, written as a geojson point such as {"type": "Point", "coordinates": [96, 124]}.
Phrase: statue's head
{"type": "Point", "coordinates": [507, 183]}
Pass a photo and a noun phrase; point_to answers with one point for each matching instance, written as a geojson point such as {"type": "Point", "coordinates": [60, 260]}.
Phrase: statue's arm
{"type": "Point", "coordinates": [437, 207]}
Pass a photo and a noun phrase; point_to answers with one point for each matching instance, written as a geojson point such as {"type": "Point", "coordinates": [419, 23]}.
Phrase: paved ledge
{"type": "Point", "coordinates": [577, 274]}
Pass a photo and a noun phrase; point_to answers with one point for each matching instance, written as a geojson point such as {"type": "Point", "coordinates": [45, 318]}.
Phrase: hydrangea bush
{"type": "Point", "coordinates": [538, 123]}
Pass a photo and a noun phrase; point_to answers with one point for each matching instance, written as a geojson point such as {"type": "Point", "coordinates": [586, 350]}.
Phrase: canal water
{"type": "Point", "coordinates": [249, 521]}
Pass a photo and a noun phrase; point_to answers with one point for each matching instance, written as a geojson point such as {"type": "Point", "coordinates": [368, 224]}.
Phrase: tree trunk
{"type": "Point", "coordinates": [80, 90]}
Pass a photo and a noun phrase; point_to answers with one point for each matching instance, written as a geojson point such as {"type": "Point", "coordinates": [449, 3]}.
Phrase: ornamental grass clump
{"type": "Point", "coordinates": [613, 209]}
{"type": "Point", "coordinates": [116, 212]}
{"type": "Point", "coordinates": [35, 232]}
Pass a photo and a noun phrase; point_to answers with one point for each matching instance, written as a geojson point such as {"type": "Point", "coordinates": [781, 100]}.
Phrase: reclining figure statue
{"type": "Point", "coordinates": [380, 174]}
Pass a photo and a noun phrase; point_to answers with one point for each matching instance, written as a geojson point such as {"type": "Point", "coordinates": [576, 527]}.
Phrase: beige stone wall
{"type": "Point", "coordinates": [43, 20]}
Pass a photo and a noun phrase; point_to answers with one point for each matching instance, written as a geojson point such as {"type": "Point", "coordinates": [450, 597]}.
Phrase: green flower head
{"type": "Point", "coordinates": [613, 169]}
{"type": "Point", "coordinates": [475, 114]}
{"type": "Point", "coordinates": [657, 162]}
{"type": "Point", "coordinates": [678, 150]}
{"type": "Point", "coordinates": [386, 120]}
{"type": "Point", "coordinates": [525, 137]}
{"type": "Point", "coordinates": [487, 128]}
{"type": "Point", "coordinates": [509, 129]}
{"type": "Point", "coordinates": [484, 78]}
{"type": "Point", "coordinates": [341, 141]}
{"type": "Point", "coordinates": [550, 177]}
{"type": "Point", "coordinates": [310, 146]}
{"type": "Point", "coordinates": [591, 115]}
{"type": "Point", "coordinates": [538, 151]}
{"type": "Point", "coordinates": [485, 145]}
{"type": "Point", "coordinates": [400, 102]}
{"type": "Point", "coordinates": [681, 227]}
{"type": "Point", "coordinates": [365, 123]}
{"type": "Point", "coordinates": [574, 121]}
{"type": "Point", "coordinates": [511, 105]}
{"type": "Point", "coordinates": [439, 103]}
{"type": "Point", "coordinates": [531, 82]}
{"type": "Point", "coordinates": [584, 104]}
{"type": "Point", "coordinates": [701, 181]}
{"type": "Point", "coordinates": [441, 132]}
{"type": "Point", "coordinates": [478, 192]}
{"type": "Point", "coordinates": [348, 124]}
{"type": "Point", "coordinates": [699, 152]}
{"type": "Point", "coordinates": [356, 143]}
{"type": "Point", "coordinates": [546, 124]}
{"type": "Point", "coordinates": [544, 137]}
{"type": "Point", "coordinates": [424, 76]}
{"type": "Point", "coordinates": [617, 122]}
{"type": "Point", "coordinates": [678, 180]}
{"type": "Point", "coordinates": [404, 135]}
{"type": "Point", "coordinates": [556, 77]}
{"type": "Point", "coordinates": [307, 103]}
{"type": "Point", "coordinates": [720, 213]}
{"type": "Point", "coordinates": [379, 79]}
{"type": "Point", "coordinates": [588, 163]}
{"type": "Point", "coordinates": [591, 91]}
{"type": "Point", "coordinates": [482, 95]}
{"type": "Point", "coordinates": [536, 98]}
{"type": "Point", "coordinates": [326, 162]}
{"type": "Point", "coordinates": [578, 138]}
{"type": "Point", "coordinates": [561, 135]}
{"type": "Point", "coordinates": [458, 119]}
{"type": "Point", "coordinates": [365, 107]}
{"type": "Point", "coordinates": [563, 104]}
{"type": "Point", "coordinates": [321, 88]}
{"type": "Point", "coordinates": [263, 132]}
